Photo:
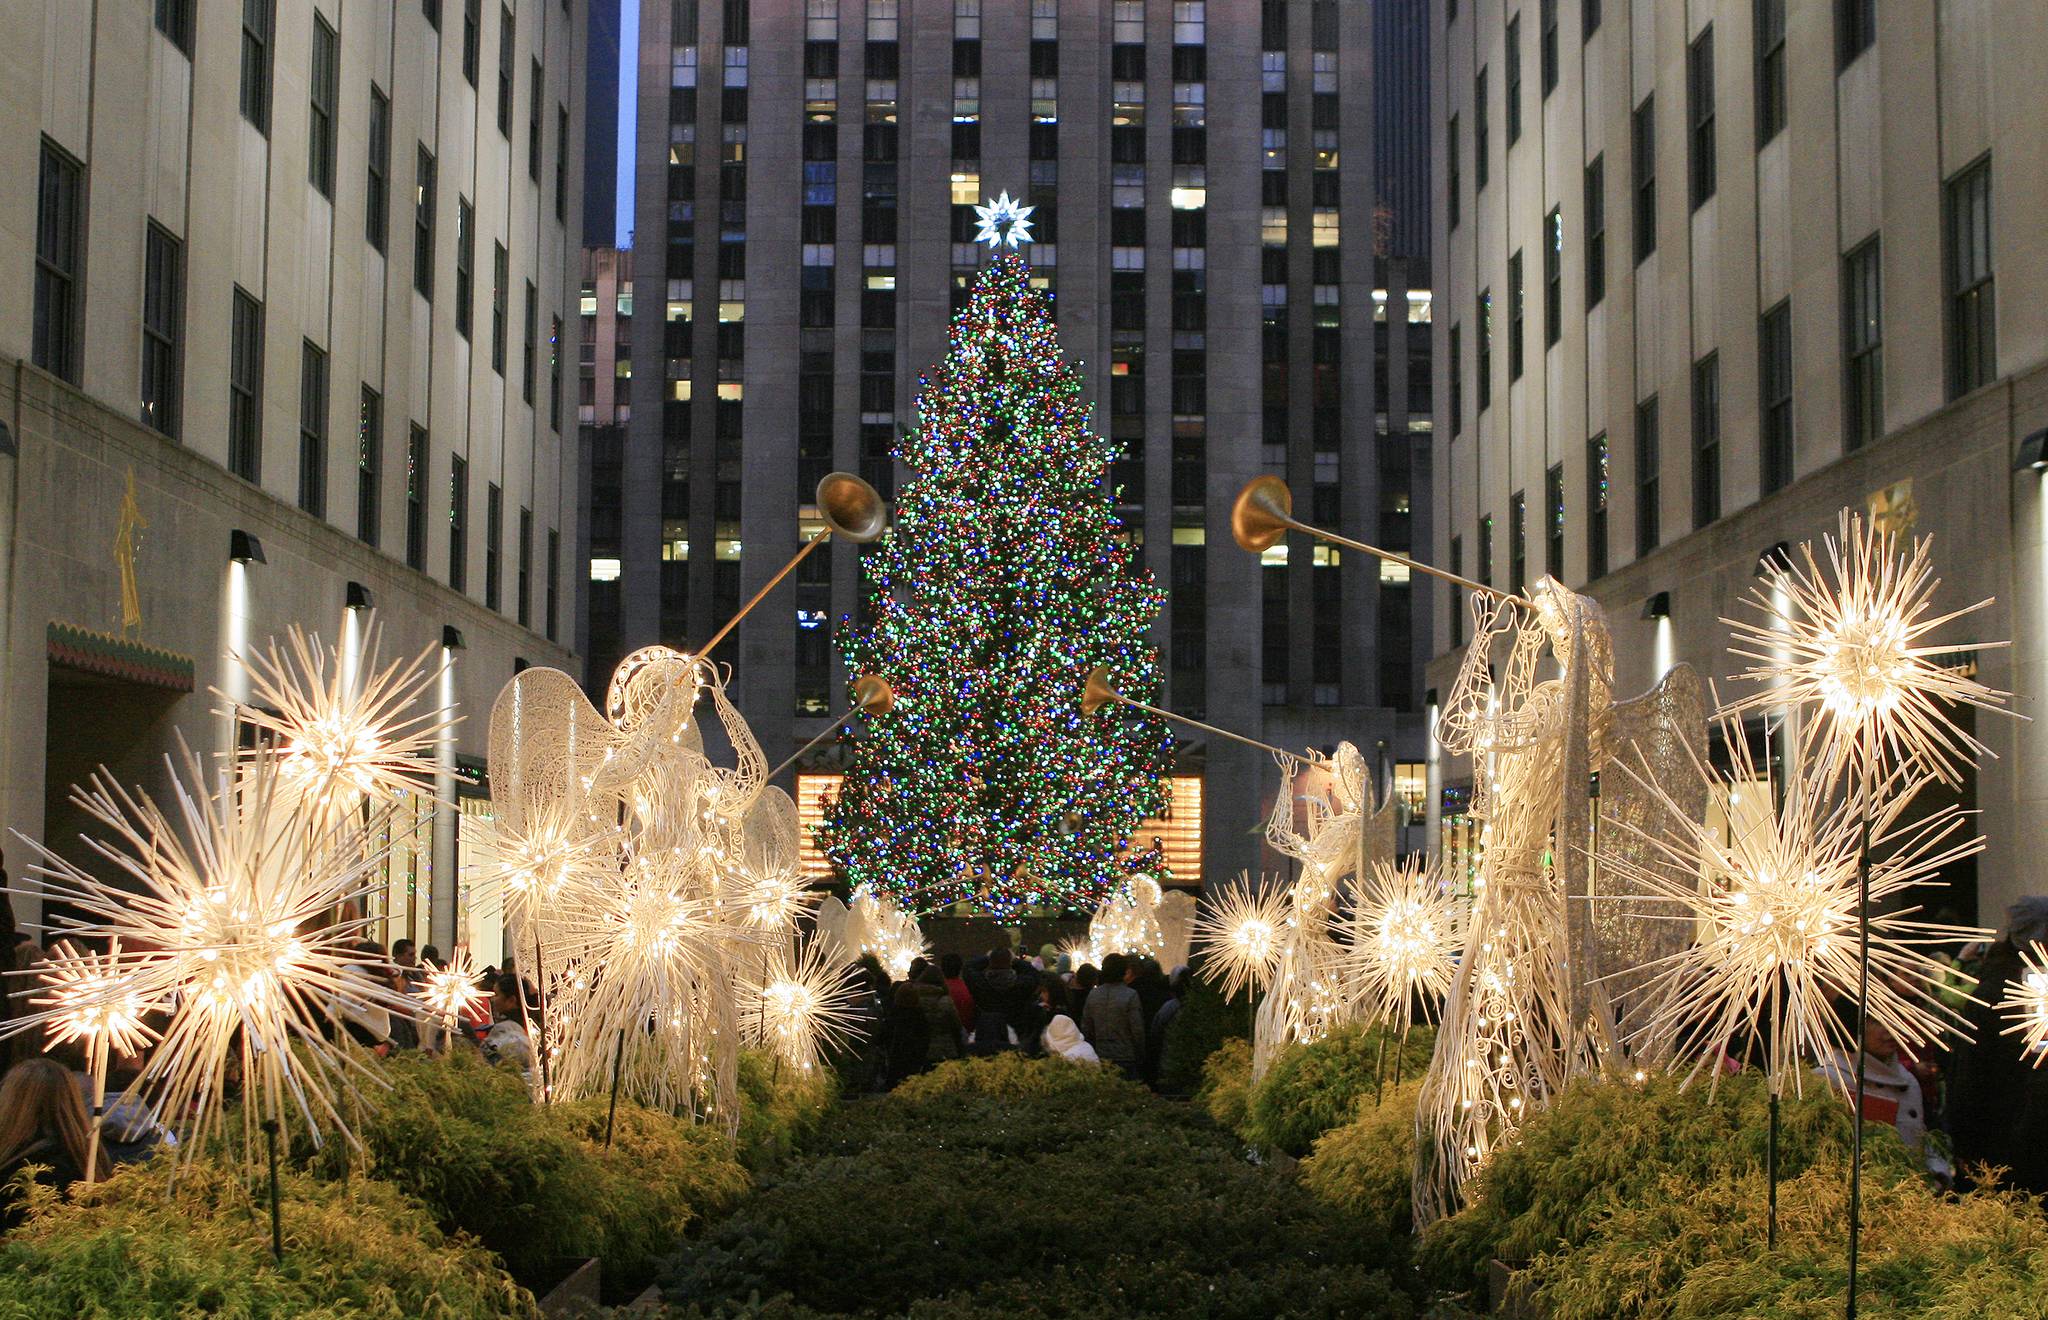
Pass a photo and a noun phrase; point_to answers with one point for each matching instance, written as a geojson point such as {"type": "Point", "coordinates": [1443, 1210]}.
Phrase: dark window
{"type": "Point", "coordinates": [1454, 184]}
{"type": "Point", "coordinates": [369, 465]}
{"type": "Point", "coordinates": [472, 24]}
{"type": "Point", "coordinates": [1863, 345]}
{"type": "Point", "coordinates": [507, 35]}
{"type": "Point", "coordinates": [531, 325]}
{"type": "Point", "coordinates": [1774, 378]}
{"type": "Point", "coordinates": [245, 390]}
{"type": "Point", "coordinates": [1485, 374]}
{"type": "Point", "coordinates": [1643, 151]}
{"type": "Point", "coordinates": [312, 429]}
{"type": "Point", "coordinates": [1553, 521]}
{"type": "Point", "coordinates": [1589, 18]}
{"type": "Point", "coordinates": [458, 522]}
{"type": "Point", "coordinates": [1518, 543]}
{"type": "Point", "coordinates": [60, 262]}
{"type": "Point", "coordinates": [1646, 476]}
{"type": "Point", "coordinates": [423, 224]}
{"type": "Point", "coordinates": [1972, 332]}
{"type": "Point", "coordinates": [1486, 550]}
{"type": "Point", "coordinates": [377, 192]}
{"type": "Point", "coordinates": [1706, 440]}
{"type": "Point", "coordinates": [534, 135]}
{"type": "Point", "coordinates": [522, 603]}
{"type": "Point", "coordinates": [554, 573]}
{"type": "Point", "coordinates": [174, 20]}
{"type": "Point", "coordinates": [326, 83]}
{"type": "Point", "coordinates": [1596, 507]}
{"type": "Point", "coordinates": [163, 328]}
{"type": "Point", "coordinates": [555, 372]}
{"type": "Point", "coordinates": [1514, 89]}
{"type": "Point", "coordinates": [1699, 101]}
{"type": "Point", "coordinates": [562, 163]}
{"type": "Point", "coordinates": [432, 10]}
{"type": "Point", "coordinates": [1855, 28]}
{"type": "Point", "coordinates": [416, 498]}
{"type": "Point", "coordinates": [494, 537]}
{"type": "Point", "coordinates": [1457, 595]}
{"type": "Point", "coordinates": [501, 276]}
{"type": "Point", "coordinates": [465, 259]}
{"type": "Point", "coordinates": [1547, 42]}
{"type": "Point", "coordinates": [257, 23]}
{"type": "Point", "coordinates": [1456, 370]}
{"type": "Point", "coordinates": [1770, 69]}
{"type": "Point", "coordinates": [1553, 277]}
{"type": "Point", "coordinates": [1479, 132]}
{"type": "Point", "coordinates": [1595, 223]}
{"type": "Point", "coordinates": [1515, 317]}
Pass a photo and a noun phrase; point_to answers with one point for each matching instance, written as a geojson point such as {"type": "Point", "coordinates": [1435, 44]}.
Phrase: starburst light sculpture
{"type": "Point", "coordinates": [1240, 931]}
{"type": "Point", "coordinates": [805, 1008]}
{"type": "Point", "coordinates": [2026, 1005]}
{"type": "Point", "coordinates": [454, 991]}
{"type": "Point", "coordinates": [1404, 936]}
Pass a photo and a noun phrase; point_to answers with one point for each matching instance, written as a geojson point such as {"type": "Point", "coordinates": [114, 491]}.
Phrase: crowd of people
{"type": "Point", "coordinates": [1117, 1015]}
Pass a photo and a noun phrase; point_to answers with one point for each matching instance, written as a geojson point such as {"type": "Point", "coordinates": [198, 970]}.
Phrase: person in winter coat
{"type": "Point", "coordinates": [1891, 1093]}
{"type": "Point", "coordinates": [906, 1035]}
{"type": "Point", "coordinates": [1114, 1020]}
{"type": "Point", "coordinates": [945, 1039]}
{"type": "Point", "coordinates": [43, 1121]}
{"type": "Point", "coordinates": [1063, 1040]}
{"type": "Point", "coordinates": [1002, 1001]}
{"type": "Point", "coordinates": [1998, 1099]}
{"type": "Point", "coordinates": [956, 986]}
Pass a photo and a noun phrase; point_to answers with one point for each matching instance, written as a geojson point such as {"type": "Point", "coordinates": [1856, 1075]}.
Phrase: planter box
{"type": "Point", "coordinates": [576, 1289]}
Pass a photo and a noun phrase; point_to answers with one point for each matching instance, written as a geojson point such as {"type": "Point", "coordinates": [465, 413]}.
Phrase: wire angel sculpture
{"type": "Point", "coordinates": [1127, 920]}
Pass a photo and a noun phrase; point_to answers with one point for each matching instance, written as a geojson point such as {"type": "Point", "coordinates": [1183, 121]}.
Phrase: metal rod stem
{"type": "Point", "coordinates": [822, 735]}
{"type": "Point", "coordinates": [1771, 1162]}
{"type": "Point", "coordinates": [618, 1063]}
{"type": "Point", "coordinates": [758, 596]}
{"type": "Point", "coordinates": [1210, 728]}
{"type": "Point", "coordinates": [1862, 1034]}
{"type": "Point", "coordinates": [540, 1036]}
{"type": "Point", "coordinates": [1414, 565]}
{"type": "Point", "coordinates": [276, 1212]}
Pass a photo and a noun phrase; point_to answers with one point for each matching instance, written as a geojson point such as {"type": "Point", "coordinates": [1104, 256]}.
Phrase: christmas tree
{"type": "Point", "coordinates": [1004, 579]}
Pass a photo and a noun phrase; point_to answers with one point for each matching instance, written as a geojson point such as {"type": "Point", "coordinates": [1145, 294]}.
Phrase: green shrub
{"type": "Point", "coordinates": [1604, 1146]}
{"type": "Point", "coordinates": [534, 1183]}
{"type": "Point", "coordinates": [1013, 1076]}
{"type": "Point", "coordinates": [1227, 1084]}
{"type": "Point", "coordinates": [1309, 1089]}
{"type": "Point", "coordinates": [144, 1244]}
{"type": "Point", "coordinates": [1365, 1168]}
{"type": "Point", "coordinates": [1031, 1188]}
{"type": "Point", "coordinates": [1690, 1250]}
{"type": "Point", "coordinates": [779, 1107]}
{"type": "Point", "coordinates": [1204, 1022]}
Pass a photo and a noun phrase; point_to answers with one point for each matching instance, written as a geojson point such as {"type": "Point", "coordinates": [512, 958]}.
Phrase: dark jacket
{"type": "Point", "coordinates": [1998, 1102]}
{"type": "Point", "coordinates": [1114, 1023]}
{"type": "Point", "coordinates": [906, 1043]}
{"type": "Point", "coordinates": [942, 1023]}
{"type": "Point", "coordinates": [1002, 1001]}
{"type": "Point", "coordinates": [59, 1171]}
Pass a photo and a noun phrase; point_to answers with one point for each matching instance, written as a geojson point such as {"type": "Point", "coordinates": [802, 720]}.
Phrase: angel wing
{"type": "Point", "coordinates": [1663, 734]}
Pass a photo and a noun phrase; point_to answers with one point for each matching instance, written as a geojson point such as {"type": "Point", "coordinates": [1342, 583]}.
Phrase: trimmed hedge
{"type": "Point", "coordinates": [1204, 1022]}
{"type": "Point", "coordinates": [1309, 1089]}
{"type": "Point", "coordinates": [145, 1245]}
{"type": "Point", "coordinates": [534, 1183]}
{"type": "Point", "coordinates": [1226, 1088]}
{"type": "Point", "coordinates": [1032, 1188]}
{"type": "Point", "coordinates": [1365, 1168]}
{"type": "Point", "coordinates": [779, 1107]}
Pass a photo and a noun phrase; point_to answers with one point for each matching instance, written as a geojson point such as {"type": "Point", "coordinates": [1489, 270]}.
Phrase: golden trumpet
{"type": "Point", "coordinates": [851, 510]}
{"type": "Point", "coordinates": [1098, 692]}
{"type": "Point", "coordinates": [1264, 512]}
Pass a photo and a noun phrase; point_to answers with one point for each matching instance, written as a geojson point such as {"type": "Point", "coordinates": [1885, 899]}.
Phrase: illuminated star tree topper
{"type": "Point", "coordinates": [1005, 578]}
{"type": "Point", "coordinates": [1004, 223]}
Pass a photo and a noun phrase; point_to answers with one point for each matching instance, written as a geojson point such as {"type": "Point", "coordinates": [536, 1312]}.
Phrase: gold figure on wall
{"type": "Point", "coordinates": [127, 539]}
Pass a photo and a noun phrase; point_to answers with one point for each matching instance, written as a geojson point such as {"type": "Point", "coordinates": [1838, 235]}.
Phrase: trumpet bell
{"type": "Point", "coordinates": [1097, 692]}
{"type": "Point", "coordinates": [851, 508]}
{"type": "Point", "coordinates": [1262, 514]}
{"type": "Point", "coordinates": [873, 695]}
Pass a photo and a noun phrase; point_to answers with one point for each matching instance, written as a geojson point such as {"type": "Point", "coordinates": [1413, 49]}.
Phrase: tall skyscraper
{"type": "Point", "coordinates": [1710, 274]}
{"type": "Point", "coordinates": [283, 285]}
{"type": "Point", "coordinates": [1204, 178]}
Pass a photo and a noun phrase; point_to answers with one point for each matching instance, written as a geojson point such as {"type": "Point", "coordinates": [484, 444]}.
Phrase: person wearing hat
{"type": "Point", "coordinates": [1064, 1040]}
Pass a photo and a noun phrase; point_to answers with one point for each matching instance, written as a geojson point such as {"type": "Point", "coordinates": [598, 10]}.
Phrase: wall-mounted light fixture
{"type": "Point", "coordinates": [359, 598]}
{"type": "Point", "coordinates": [451, 637]}
{"type": "Point", "coordinates": [1657, 606]}
{"type": "Point", "coordinates": [2032, 455]}
{"type": "Point", "coordinates": [244, 548]}
{"type": "Point", "coordinates": [1774, 558]}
